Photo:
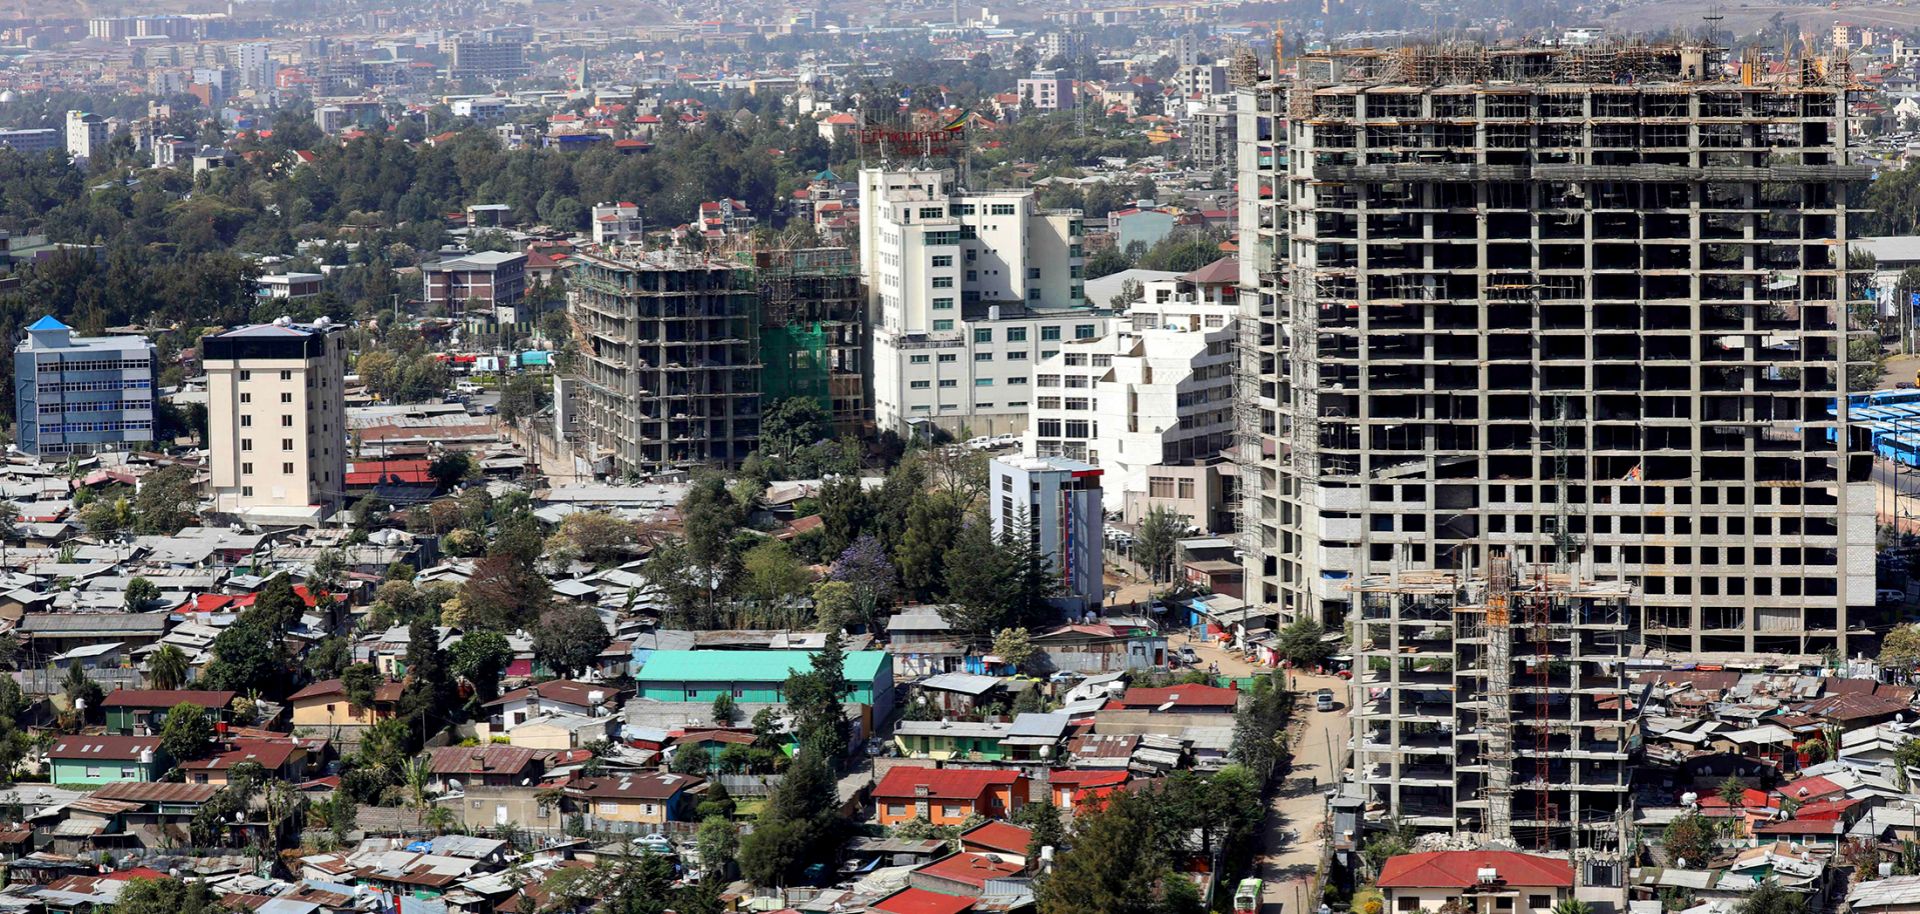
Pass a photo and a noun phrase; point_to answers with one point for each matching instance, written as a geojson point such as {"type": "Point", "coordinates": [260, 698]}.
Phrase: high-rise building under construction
{"type": "Point", "coordinates": [1557, 304]}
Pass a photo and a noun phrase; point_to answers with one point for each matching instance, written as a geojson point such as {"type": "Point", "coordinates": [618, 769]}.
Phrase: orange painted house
{"type": "Point", "coordinates": [948, 796]}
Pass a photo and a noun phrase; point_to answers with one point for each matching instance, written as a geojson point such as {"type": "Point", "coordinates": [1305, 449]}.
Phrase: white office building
{"type": "Point", "coordinates": [967, 290]}
{"type": "Point", "coordinates": [86, 134]}
{"type": "Point", "coordinates": [1151, 403]}
{"type": "Point", "coordinates": [254, 63]}
{"type": "Point", "coordinates": [1057, 501]}
{"type": "Point", "coordinates": [276, 419]}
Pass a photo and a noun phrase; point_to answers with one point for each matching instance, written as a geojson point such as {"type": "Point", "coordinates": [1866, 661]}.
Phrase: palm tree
{"type": "Point", "coordinates": [1572, 906]}
{"type": "Point", "coordinates": [419, 776]}
{"type": "Point", "coordinates": [167, 669]}
{"type": "Point", "coordinates": [440, 819]}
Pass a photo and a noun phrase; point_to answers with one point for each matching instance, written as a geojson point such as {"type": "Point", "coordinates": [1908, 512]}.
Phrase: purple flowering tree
{"type": "Point", "coordinates": [865, 568]}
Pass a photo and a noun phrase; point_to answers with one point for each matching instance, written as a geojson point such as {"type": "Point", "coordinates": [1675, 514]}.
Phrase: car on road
{"type": "Point", "coordinates": [1187, 656]}
{"type": "Point", "coordinates": [1323, 700]}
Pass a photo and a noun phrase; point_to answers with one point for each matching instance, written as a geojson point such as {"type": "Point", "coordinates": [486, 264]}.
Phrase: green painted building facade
{"type": "Point", "coordinates": [950, 740]}
{"type": "Point", "coordinates": [94, 761]}
{"type": "Point", "coordinates": [757, 677]}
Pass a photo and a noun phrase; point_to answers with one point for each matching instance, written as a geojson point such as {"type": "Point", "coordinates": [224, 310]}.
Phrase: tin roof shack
{"type": "Point", "coordinates": [960, 695]}
{"type": "Point", "coordinates": [165, 812]}
{"type": "Point", "coordinates": [1105, 647]}
{"type": "Point", "coordinates": [1895, 895]}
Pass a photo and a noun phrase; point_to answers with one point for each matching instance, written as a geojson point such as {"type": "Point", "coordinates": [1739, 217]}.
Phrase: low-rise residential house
{"type": "Point", "coordinates": [143, 711]}
{"type": "Point", "coordinates": [923, 644]}
{"type": "Point", "coordinates": [1074, 787]}
{"type": "Point", "coordinates": [288, 759]}
{"type": "Point", "coordinates": [1482, 881]}
{"type": "Point", "coordinates": [1181, 699]}
{"type": "Point", "coordinates": [947, 796]}
{"type": "Point", "coordinates": [1035, 737]}
{"type": "Point", "coordinates": [960, 694]}
{"type": "Point", "coordinates": [325, 704]}
{"type": "Point", "coordinates": [634, 799]}
{"type": "Point", "coordinates": [760, 677]}
{"type": "Point", "coordinates": [560, 696]}
{"type": "Point", "coordinates": [164, 811]}
{"type": "Point", "coordinates": [77, 761]}
{"type": "Point", "coordinates": [479, 806]}
{"type": "Point", "coordinates": [1894, 895]}
{"type": "Point", "coordinates": [920, 901]}
{"type": "Point", "coordinates": [946, 740]}
{"type": "Point", "coordinates": [485, 766]}
{"type": "Point", "coordinates": [106, 655]}
{"type": "Point", "coordinates": [1108, 647]}
{"type": "Point", "coordinates": [963, 873]}
{"type": "Point", "coordinates": [712, 742]}
{"type": "Point", "coordinates": [558, 732]}
{"type": "Point", "coordinates": [1002, 839]}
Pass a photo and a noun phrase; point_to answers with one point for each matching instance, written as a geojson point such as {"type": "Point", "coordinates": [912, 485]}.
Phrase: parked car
{"type": "Point", "coordinates": [1187, 656]}
{"type": "Point", "coordinates": [1323, 700]}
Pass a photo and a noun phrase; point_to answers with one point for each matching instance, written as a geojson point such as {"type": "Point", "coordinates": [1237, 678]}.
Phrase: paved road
{"type": "Point", "coordinates": [1294, 833]}
{"type": "Point", "coordinates": [1296, 816]}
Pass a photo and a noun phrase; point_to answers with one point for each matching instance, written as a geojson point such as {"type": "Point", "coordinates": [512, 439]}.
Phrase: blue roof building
{"type": "Point", "coordinates": [75, 395]}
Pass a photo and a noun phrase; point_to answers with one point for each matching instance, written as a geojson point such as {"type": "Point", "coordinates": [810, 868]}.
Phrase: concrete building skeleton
{"type": "Point", "coordinates": [1497, 706]}
{"type": "Point", "coordinates": [1557, 301]}
{"type": "Point", "coordinates": [670, 369]}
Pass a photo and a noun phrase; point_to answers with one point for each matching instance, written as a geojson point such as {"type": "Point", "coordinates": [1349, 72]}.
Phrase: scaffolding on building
{"type": "Point", "coordinates": [812, 329]}
{"type": "Point", "coordinates": [1496, 704]}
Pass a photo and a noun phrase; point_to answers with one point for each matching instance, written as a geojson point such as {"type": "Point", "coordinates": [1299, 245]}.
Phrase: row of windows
{"type": "Point", "coordinates": [286, 444]}
{"type": "Point", "coordinates": [1073, 403]}
{"type": "Point", "coordinates": [1079, 359]}
{"type": "Point", "coordinates": [128, 425]}
{"type": "Point", "coordinates": [246, 469]}
{"type": "Point", "coordinates": [977, 382]}
{"type": "Point", "coordinates": [94, 406]}
{"type": "Point", "coordinates": [286, 396]}
{"type": "Point", "coordinates": [96, 365]}
{"type": "Point", "coordinates": [82, 386]}
{"type": "Point", "coordinates": [945, 407]}
{"type": "Point", "coordinates": [1074, 428]}
{"type": "Point", "coordinates": [246, 421]}
{"type": "Point", "coordinates": [1165, 487]}
{"type": "Point", "coordinates": [1080, 382]}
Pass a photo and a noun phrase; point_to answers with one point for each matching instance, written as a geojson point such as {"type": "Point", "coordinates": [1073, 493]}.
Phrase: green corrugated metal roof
{"type": "Point", "coordinates": [748, 666]}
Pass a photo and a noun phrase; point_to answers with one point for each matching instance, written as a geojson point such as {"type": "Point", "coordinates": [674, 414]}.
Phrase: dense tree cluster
{"type": "Point", "coordinates": [1124, 855]}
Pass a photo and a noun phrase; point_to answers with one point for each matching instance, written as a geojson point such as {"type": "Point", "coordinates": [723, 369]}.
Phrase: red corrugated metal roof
{"type": "Point", "coordinates": [970, 869]}
{"type": "Point", "coordinates": [372, 473]}
{"type": "Point", "coordinates": [1461, 869]}
{"type": "Point", "coordinates": [998, 836]}
{"type": "Point", "coordinates": [955, 784]}
{"type": "Point", "coordinates": [921, 901]}
{"type": "Point", "coordinates": [166, 698]}
{"type": "Point", "coordinates": [1182, 696]}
